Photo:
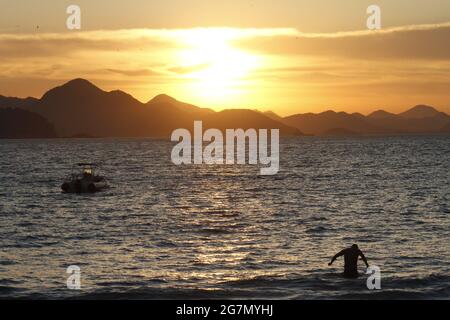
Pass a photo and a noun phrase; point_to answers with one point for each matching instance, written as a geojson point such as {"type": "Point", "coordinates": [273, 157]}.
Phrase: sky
{"type": "Point", "coordinates": [288, 56]}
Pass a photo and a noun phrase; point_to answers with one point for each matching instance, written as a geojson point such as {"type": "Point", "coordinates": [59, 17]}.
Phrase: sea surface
{"type": "Point", "coordinates": [191, 232]}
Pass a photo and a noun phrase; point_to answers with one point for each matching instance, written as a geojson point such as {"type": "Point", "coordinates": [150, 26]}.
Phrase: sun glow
{"type": "Point", "coordinates": [216, 71]}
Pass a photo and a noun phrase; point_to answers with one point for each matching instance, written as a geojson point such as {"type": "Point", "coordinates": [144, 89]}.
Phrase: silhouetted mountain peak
{"type": "Point", "coordinates": [163, 98]}
{"type": "Point", "coordinates": [166, 102]}
{"type": "Point", "coordinates": [328, 112]}
{"type": "Point", "coordinates": [381, 114]}
{"type": "Point", "coordinates": [420, 111]}
{"type": "Point", "coordinates": [78, 87]}
{"type": "Point", "coordinates": [80, 83]}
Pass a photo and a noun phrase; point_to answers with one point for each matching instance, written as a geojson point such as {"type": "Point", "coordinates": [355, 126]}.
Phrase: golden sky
{"type": "Point", "coordinates": [286, 56]}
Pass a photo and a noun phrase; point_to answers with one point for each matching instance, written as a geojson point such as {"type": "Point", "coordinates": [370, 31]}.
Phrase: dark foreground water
{"type": "Point", "coordinates": [223, 231]}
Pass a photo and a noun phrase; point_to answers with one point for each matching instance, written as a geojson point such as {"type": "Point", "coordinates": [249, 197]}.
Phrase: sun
{"type": "Point", "coordinates": [217, 72]}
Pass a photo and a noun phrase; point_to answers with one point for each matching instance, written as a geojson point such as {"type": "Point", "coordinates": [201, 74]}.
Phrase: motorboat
{"type": "Point", "coordinates": [86, 181]}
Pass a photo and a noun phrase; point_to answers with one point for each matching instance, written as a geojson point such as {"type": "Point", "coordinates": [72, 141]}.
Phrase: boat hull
{"type": "Point", "coordinates": [81, 186]}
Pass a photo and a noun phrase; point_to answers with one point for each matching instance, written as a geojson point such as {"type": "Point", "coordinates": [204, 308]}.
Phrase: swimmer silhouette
{"type": "Point", "coordinates": [351, 256]}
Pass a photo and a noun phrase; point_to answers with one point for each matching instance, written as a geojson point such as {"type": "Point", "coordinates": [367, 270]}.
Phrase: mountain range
{"type": "Point", "coordinates": [79, 108]}
{"type": "Point", "coordinates": [419, 119]}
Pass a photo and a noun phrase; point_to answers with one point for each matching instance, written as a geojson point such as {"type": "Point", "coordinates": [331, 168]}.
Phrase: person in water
{"type": "Point", "coordinates": [351, 256]}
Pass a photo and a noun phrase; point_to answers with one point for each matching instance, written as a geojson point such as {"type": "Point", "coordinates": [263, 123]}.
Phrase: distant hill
{"type": "Point", "coordinates": [18, 124]}
{"type": "Point", "coordinates": [312, 123]}
{"type": "Point", "coordinates": [7, 102]}
{"type": "Point", "coordinates": [420, 112]}
{"type": "Point", "coordinates": [245, 119]}
{"type": "Point", "coordinates": [381, 115]}
{"type": "Point", "coordinates": [419, 119]}
{"type": "Point", "coordinates": [163, 100]}
{"type": "Point", "coordinates": [79, 108]}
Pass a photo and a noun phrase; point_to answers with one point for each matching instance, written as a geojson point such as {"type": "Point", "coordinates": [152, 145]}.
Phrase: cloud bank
{"type": "Point", "coordinates": [298, 70]}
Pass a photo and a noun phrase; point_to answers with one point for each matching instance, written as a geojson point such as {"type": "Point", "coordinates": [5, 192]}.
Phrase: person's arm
{"type": "Point", "coordinates": [363, 258]}
{"type": "Point", "coordinates": [336, 256]}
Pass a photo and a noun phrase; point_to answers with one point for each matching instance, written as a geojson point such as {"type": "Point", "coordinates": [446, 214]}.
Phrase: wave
{"type": "Point", "coordinates": [312, 287]}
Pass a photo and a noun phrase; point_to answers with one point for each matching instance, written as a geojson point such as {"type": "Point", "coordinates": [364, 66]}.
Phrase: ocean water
{"type": "Point", "coordinates": [191, 232]}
